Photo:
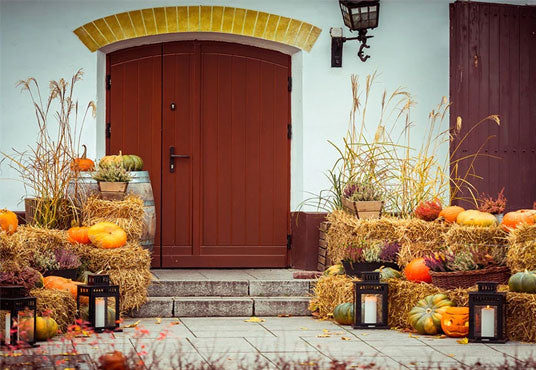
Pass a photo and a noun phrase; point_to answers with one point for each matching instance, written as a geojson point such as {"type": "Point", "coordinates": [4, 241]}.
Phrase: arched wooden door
{"type": "Point", "coordinates": [224, 111]}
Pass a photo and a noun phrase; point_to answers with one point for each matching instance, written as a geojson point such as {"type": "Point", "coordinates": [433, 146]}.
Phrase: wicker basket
{"type": "Point", "coordinates": [466, 279]}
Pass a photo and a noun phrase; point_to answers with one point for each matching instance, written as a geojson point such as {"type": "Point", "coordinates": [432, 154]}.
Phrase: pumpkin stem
{"type": "Point", "coordinates": [120, 153]}
{"type": "Point", "coordinates": [85, 151]}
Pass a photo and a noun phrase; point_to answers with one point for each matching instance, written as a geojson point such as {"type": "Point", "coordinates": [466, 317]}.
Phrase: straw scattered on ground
{"type": "Point", "coordinates": [522, 249]}
{"type": "Point", "coordinates": [58, 303]}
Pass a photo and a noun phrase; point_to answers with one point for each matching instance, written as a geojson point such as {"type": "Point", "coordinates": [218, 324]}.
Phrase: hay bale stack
{"type": "Point", "coordinates": [131, 256]}
{"type": "Point", "coordinates": [28, 240]}
{"type": "Point", "coordinates": [522, 249]}
{"type": "Point", "coordinates": [127, 214]}
{"type": "Point", "coordinates": [59, 304]}
{"type": "Point", "coordinates": [419, 238]}
{"type": "Point", "coordinates": [346, 229]}
{"type": "Point", "coordinates": [133, 285]}
{"type": "Point", "coordinates": [492, 240]}
{"type": "Point", "coordinates": [331, 291]}
{"type": "Point", "coordinates": [521, 316]}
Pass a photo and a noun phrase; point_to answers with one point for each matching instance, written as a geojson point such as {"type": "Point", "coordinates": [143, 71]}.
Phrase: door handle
{"type": "Point", "coordinates": [172, 157]}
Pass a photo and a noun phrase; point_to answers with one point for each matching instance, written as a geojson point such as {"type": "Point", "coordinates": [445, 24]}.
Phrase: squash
{"type": "Point", "coordinates": [132, 162]}
{"type": "Point", "coordinates": [111, 160]}
{"type": "Point", "coordinates": [83, 163]}
{"type": "Point", "coordinates": [512, 220]}
{"type": "Point", "coordinates": [425, 317]}
{"type": "Point", "coordinates": [473, 217]}
{"type": "Point", "coordinates": [113, 361]}
{"type": "Point", "coordinates": [107, 235]}
{"type": "Point", "coordinates": [60, 283]}
{"type": "Point", "coordinates": [8, 221]}
{"type": "Point", "coordinates": [524, 282]}
{"type": "Point", "coordinates": [455, 322]}
{"type": "Point", "coordinates": [387, 273]}
{"type": "Point", "coordinates": [78, 235]}
{"type": "Point", "coordinates": [334, 270]}
{"type": "Point", "coordinates": [428, 211]}
{"type": "Point", "coordinates": [450, 213]}
{"type": "Point", "coordinates": [45, 328]}
{"type": "Point", "coordinates": [344, 313]}
{"type": "Point", "coordinates": [417, 271]}
{"type": "Point", "coordinates": [84, 313]}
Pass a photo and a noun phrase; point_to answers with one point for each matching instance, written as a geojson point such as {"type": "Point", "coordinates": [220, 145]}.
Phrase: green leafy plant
{"type": "Point", "coordinates": [113, 172]}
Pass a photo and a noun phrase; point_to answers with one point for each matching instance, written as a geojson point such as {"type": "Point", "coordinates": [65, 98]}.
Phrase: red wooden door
{"type": "Point", "coordinates": [134, 113]}
{"type": "Point", "coordinates": [225, 109]}
{"type": "Point", "coordinates": [493, 70]}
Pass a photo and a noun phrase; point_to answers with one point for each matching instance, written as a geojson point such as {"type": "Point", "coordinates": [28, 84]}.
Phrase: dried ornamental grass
{"type": "Point", "coordinates": [419, 238]}
{"type": "Point", "coordinates": [331, 291]}
{"type": "Point", "coordinates": [133, 285]}
{"type": "Point", "coordinates": [58, 303]}
{"type": "Point", "coordinates": [522, 249]}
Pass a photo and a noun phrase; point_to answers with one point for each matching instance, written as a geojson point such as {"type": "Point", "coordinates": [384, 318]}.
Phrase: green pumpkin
{"type": "Point", "coordinates": [129, 163]}
{"type": "Point", "coordinates": [344, 313]}
{"type": "Point", "coordinates": [84, 313]}
{"type": "Point", "coordinates": [425, 317]}
{"type": "Point", "coordinates": [524, 282]}
{"type": "Point", "coordinates": [138, 162]}
{"type": "Point", "coordinates": [387, 273]}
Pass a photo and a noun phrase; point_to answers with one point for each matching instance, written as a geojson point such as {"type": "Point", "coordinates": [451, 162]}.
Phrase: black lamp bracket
{"type": "Point", "coordinates": [362, 37]}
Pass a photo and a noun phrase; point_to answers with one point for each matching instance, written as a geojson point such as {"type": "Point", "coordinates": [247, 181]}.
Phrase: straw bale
{"type": "Point", "coordinates": [521, 316]}
{"type": "Point", "coordinates": [419, 238]}
{"type": "Point", "coordinates": [127, 213]}
{"type": "Point", "coordinates": [58, 303]}
{"type": "Point", "coordinates": [346, 229]}
{"type": "Point", "coordinates": [28, 240]}
{"type": "Point", "coordinates": [472, 235]}
{"type": "Point", "coordinates": [133, 285]}
{"type": "Point", "coordinates": [331, 291]}
{"type": "Point", "coordinates": [522, 249]}
{"type": "Point", "coordinates": [131, 256]}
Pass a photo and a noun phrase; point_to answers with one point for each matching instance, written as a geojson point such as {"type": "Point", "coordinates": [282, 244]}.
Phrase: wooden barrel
{"type": "Point", "coordinates": [140, 185]}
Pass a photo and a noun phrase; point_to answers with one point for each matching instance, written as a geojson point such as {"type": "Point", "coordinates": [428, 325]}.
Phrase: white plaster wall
{"type": "Point", "coordinates": [410, 49]}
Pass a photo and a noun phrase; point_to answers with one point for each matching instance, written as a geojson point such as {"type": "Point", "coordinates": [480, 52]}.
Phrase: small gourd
{"type": "Point", "coordinates": [344, 313]}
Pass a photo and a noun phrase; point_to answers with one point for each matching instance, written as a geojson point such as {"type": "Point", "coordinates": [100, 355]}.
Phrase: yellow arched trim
{"type": "Point", "coordinates": [171, 19]}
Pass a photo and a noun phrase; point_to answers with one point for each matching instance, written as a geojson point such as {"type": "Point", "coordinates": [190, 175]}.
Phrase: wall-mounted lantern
{"type": "Point", "coordinates": [360, 16]}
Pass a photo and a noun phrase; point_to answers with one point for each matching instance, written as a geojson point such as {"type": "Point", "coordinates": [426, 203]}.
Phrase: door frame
{"type": "Point", "coordinates": [294, 124]}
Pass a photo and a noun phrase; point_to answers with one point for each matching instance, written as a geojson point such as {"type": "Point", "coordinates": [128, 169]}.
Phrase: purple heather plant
{"type": "Point", "coordinates": [25, 276]}
{"type": "Point", "coordinates": [66, 259]}
{"type": "Point", "coordinates": [389, 251]}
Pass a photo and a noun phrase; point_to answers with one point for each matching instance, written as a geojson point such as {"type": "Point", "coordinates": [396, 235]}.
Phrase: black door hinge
{"type": "Point", "coordinates": [108, 130]}
{"type": "Point", "coordinates": [289, 241]}
{"type": "Point", "coordinates": [289, 83]}
{"type": "Point", "coordinates": [289, 131]}
{"type": "Point", "coordinates": [108, 82]}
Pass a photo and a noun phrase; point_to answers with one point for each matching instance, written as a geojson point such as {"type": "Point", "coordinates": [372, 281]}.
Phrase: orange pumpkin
{"type": "Point", "coordinates": [8, 221]}
{"type": "Point", "coordinates": [78, 235]}
{"type": "Point", "coordinates": [113, 361]}
{"type": "Point", "coordinates": [60, 283]}
{"type": "Point", "coordinates": [450, 213]}
{"type": "Point", "coordinates": [455, 322]}
{"type": "Point", "coordinates": [107, 235]}
{"type": "Point", "coordinates": [417, 271]}
{"type": "Point", "coordinates": [512, 220]}
{"type": "Point", "coordinates": [83, 163]}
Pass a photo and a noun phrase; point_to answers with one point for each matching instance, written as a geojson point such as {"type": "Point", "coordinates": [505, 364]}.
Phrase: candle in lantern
{"type": "Point", "coordinates": [100, 313]}
{"type": "Point", "coordinates": [371, 303]}
{"type": "Point", "coordinates": [487, 322]}
{"type": "Point", "coordinates": [7, 334]}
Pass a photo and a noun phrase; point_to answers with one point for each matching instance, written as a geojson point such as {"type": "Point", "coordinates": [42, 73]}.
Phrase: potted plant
{"type": "Point", "coordinates": [363, 199]}
{"type": "Point", "coordinates": [113, 180]}
{"type": "Point", "coordinates": [365, 255]}
{"type": "Point", "coordinates": [464, 268]}
{"type": "Point", "coordinates": [494, 206]}
{"type": "Point", "coordinates": [61, 262]}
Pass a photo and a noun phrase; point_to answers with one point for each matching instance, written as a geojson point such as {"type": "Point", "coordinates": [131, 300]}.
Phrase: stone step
{"type": "Point", "coordinates": [223, 306]}
{"type": "Point", "coordinates": [230, 288]}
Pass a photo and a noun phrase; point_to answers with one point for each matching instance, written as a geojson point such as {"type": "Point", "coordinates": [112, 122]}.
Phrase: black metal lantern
{"type": "Point", "coordinates": [17, 316]}
{"type": "Point", "coordinates": [371, 302]}
{"type": "Point", "coordinates": [360, 16]}
{"type": "Point", "coordinates": [98, 303]}
{"type": "Point", "coordinates": [487, 314]}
